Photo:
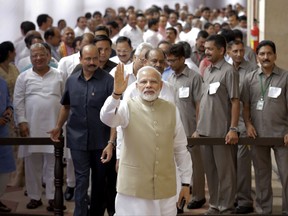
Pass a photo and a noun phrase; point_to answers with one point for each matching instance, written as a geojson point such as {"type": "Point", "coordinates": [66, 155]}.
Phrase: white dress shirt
{"type": "Point", "coordinates": [67, 64]}
{"type": "Point", "coordinates": [135, 35]}
{"type": "Point", "coordinates": [152, 37]}
{"type": "Point", "coordinates": [128, 70]}
{"type": "Point", "coordinates": [78, 31]}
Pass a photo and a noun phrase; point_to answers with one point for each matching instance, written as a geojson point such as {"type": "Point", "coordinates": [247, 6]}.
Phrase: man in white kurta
{"type": "Point", "coordinates": [132, 31]}
{"type": "Point", "coordinates": [154, 139]}
{"type": "Point", "coordinates": [36, 101]}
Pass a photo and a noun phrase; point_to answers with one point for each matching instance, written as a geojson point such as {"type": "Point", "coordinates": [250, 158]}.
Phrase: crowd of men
{"type": "Point", "coordinates": [127, 89]}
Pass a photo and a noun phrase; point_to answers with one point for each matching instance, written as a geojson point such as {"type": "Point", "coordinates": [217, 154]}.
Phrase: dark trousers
{"type": "Point", "coordinates": [111, 177]}
{"type": "Point", "coordinates": [84, 161]}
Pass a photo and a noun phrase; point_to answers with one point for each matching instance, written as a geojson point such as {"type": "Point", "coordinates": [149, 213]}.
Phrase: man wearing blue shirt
{"type": "Point", "coordinates": [87, 137]}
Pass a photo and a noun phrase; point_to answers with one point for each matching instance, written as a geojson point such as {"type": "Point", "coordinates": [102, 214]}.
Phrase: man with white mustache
{"type": "Point", "coordinates": [154, 138]}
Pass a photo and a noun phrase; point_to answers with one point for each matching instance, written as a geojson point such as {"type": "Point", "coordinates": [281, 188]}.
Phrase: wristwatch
{"type": "Point", "coordinates": [112, 142]}
{"type": "Point", "coordinates": [235, 129]}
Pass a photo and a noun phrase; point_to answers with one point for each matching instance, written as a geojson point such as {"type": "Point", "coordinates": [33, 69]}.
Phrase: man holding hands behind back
{"type": "Point", "coordinates": [154, 141]}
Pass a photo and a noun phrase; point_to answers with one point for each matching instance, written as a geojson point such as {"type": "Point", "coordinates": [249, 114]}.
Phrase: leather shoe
{"type": "Point", "coordinates": [69, 193]}
{"type": "Point", "coordinates": [244, 210]}
{"type": "Point", "coordinates": [51, 206]}
{"type": "Point", "coordinates": [180, 211]}
{"type": "Point", "coordinates": [196, 204]}
{"type": "Point", "coordinates": [4, 208]}
{"type": "Point", "coordinates": [33, 204]}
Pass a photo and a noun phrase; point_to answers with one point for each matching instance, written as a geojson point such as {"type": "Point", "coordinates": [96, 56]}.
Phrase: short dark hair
{"type": "Point", "coordinates": [266, 43]}
{"type": "Point", "coordinates": [28, 39]}
{"type": "Point", "coordinates": [187, 48]}
{"type": "Point", "coordinates": [48, 48]}
{"type": "Point", "coordinates": [88, 15]}
{"type": "Point", "coordinates": [205, 9]}
{"type": "Point", "coordinates": [152, 22]}
{"type": "Point", "coordinates": [243, 17]}
{"type": "Point", "coordinates": [122, 39]}
{"type": "Point", "coordinates": [164, 42]}
{"type": "Point", "coordinates": [114, 24]}
{"type": "Point", "coordinates": [78, 19]}
{"type": "Point", "coordinates": [202, 34]}
{"type": "Point", "coordinates": [27, 26]}
{"type": "Point", "coordinates": [97, 13]}
{"type": "Point", "coordinates": [172, 29]}
{"type": "Point", "coordinates": [177, 50]}
{"type": "Point", "coordinates": [76, 39]}
{"type": "Point", "coordinates": [234, 42]}
{"type": "Point", "coordinates": [225, 25]}
{"type": "Point", "coordinates": [233, 13]}
{"type": "Point", "coordinates": [219, 41]}
{"type": "Point", "coordinates": [207, 25]}
{"type": "Point", "coordinates": [238, 34]}
{"type": "Point", "coordinates": [228, 34]}
{"type": "Point", "coordinates": [42, 18]}
{"type": "Point", "coordinates": [103, 28]}
{"type": "Point", "coordinates": [49, 32]}
{"type": "Point", "coordinates": [102, 38]}
{"type": "Point", "coordinates": [59, 21]}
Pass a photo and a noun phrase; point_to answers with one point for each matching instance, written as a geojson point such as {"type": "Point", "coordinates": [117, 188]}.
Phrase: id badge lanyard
{"type": "Point", "coordinates": [260, 104]}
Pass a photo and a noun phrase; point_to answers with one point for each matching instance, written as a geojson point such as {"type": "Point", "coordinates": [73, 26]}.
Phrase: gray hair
{"type": "Point", "coordinates": [38, 45]}
{"type": "Point", "coordinates": [145, 68]}
{"type": "Point", "coordinates": [141, 47]}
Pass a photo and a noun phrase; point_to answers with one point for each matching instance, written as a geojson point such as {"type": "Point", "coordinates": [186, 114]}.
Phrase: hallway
{"type": "Point", "coordinates": [15, 199]}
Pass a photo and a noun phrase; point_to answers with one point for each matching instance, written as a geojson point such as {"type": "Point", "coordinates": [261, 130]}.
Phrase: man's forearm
{"type": "Point", "coordinates": [246, 114]}
{"type": "Point", "coordinates": [63, 116]}
{"type": "Point", "coordinates": [235, 111]}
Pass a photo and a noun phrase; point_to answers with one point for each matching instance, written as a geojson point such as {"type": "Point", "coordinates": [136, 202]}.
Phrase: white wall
{"type": "Point", "coordinates": [13, 12]}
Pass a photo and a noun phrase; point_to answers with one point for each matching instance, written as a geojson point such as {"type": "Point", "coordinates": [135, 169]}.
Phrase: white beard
{"type": "Point", "coordinates": [149, 97]}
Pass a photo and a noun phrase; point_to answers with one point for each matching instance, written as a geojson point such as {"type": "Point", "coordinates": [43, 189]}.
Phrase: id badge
{"type": "Point", "coordinates": [184, 92]}
{"type": "Point", "coordinates": [260, 105]}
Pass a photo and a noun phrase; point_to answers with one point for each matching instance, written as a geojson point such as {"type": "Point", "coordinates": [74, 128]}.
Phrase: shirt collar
{"type": "Point", "coordinates": [96, 75]}
{"type": "Point", "coordinates": [276, 70]}
{"type": "Point", "coordinates": [218, 65]}
{"type": "Point", "coordinates": [185, 72]}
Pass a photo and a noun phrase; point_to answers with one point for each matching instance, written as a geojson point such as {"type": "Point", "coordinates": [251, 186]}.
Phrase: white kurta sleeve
{"type": "Point", "coordinates": [114, 113]}
{"type": "Point", "coordinates": [182, 156]}
{"type": "Point", "coordinates": [19, 99]}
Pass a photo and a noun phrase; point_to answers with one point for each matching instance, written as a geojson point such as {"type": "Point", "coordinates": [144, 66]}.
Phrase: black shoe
{"type": "Point", "coordinates": [51, 206]}
{"type": "Point", "coordinates": [33, 204]}
{"type": "Point", "coordinates": [196, 204]}
{"type": "Point", "coordinates": [180, 211]}
{"type": "Point", "coordinates": [4, 208]}
{"type": "Point", "coordinates": [244, 210]}
{"type": "Point", "coordinates": [69, 193]}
